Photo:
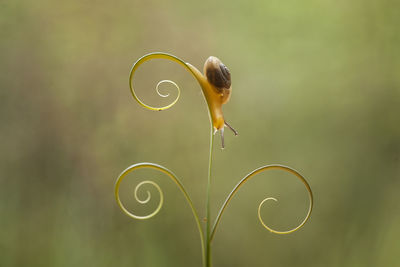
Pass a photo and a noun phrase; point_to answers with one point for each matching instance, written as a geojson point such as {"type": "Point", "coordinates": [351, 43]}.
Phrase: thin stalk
{"type": "Point", "coordinates": [208, 219]}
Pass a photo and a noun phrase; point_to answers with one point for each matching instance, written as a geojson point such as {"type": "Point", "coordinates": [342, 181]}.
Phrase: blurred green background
{"type": "Point", "coordinates": [316, 86]}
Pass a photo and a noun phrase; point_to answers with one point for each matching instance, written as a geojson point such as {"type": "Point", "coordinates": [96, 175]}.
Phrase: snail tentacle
{"type": "Point", "coordinates": [232, 129]}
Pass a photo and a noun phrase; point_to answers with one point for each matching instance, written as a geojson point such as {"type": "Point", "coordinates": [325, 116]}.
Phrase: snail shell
{"type": "Point", "coordinates": [217, 73]}
{"type": "Point", "coordinates": [219, 77]}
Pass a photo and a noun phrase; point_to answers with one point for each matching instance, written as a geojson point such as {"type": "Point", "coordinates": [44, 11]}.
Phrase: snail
{"type": "Point", "coordinates": [215, 84]}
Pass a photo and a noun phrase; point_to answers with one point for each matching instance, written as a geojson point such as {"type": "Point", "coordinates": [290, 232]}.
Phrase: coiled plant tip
{"type": "Point", "coordinates": [215, 83]}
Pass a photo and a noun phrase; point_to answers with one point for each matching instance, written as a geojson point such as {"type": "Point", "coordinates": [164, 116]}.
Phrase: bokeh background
{"type": "Point", "coordinates": [316, 86]}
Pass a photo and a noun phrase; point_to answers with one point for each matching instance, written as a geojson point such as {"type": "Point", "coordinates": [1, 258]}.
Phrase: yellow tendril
{"type": "Point", "coordinates": [252, 174]}
{"type": "Point", "coordinates": [172, 176]}
{"type": "Point", "coordinates": [150, 56]}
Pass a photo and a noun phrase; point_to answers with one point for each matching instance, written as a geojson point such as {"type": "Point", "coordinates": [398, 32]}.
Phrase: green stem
{"type": "Point", "coordinates": [208, 219]}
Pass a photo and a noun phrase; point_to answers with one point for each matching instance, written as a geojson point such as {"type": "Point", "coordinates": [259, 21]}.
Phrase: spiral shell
{"type": "Point", "coordinates": [217, 73]}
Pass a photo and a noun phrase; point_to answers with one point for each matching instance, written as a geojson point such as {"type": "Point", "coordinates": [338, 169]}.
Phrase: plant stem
{"type": "Point", "coordinates": [208, 219]}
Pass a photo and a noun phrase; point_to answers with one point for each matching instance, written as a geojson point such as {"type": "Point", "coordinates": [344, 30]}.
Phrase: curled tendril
{"type": "Point", "coordinates": [167, 94]}
{"type": "Point", "coordinates": [259, 212]}
{"type": "Point", "coordinates": [148, 192]}
{"type": "Point", "coordinates": [150, 56]}
{"type": "Point", "coordinates": [252, 174]}
{"type": "Point", "coordinates": [130, 214]}
{"type": "Point", "coordinates": [173, 177]}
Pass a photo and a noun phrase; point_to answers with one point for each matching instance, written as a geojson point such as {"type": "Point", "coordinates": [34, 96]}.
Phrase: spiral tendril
{"type": "Point", "coordinates": [150, 56]}
{"type": "Point", "coordinates": [269, 228]}
{"type": "Point", "coordinates": [259, 213]}
{"type": "Point", "coordinates": [172, 176]}
{"type": "Point", "coordinates": [138, 217]}
{"type": "Point", "coordinates": [167, 94]}
{"type": "Point", "coordinates": [137, 187]}
{"type": "Point", "coordinates": [252, 174]}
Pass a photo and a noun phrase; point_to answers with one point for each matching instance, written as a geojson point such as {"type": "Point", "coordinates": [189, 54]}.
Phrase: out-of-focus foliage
{"type": "Point", "coordinates": [316, 86]}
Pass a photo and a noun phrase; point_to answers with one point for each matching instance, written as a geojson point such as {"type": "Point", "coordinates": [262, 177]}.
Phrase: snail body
{"type": "Point", "coordinates": [216, 86]}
